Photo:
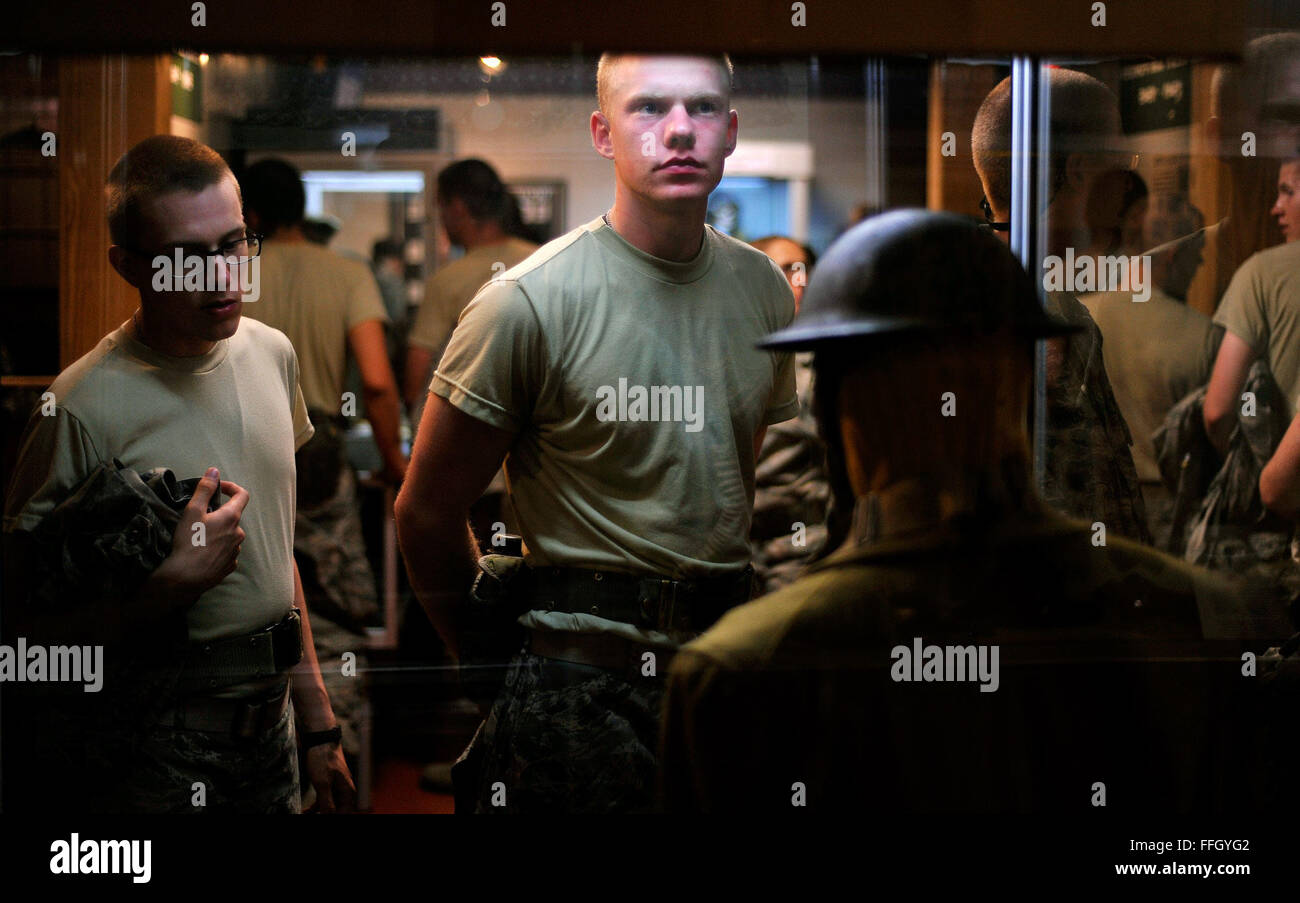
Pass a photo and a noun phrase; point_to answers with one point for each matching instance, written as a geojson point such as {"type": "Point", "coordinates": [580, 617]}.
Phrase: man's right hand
{"type": "Point", "coordinates": [200, 558]}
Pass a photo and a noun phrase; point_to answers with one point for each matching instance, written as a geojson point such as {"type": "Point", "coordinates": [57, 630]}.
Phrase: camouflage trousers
{"type": "Point", "coordinates": [339, 587]}
{"type": "Point", "coordinates": [174, 771]}
{"type": "Point", "coordinates": [1268, 560]}
{"type": "Point", "coordinates": [564, 738]}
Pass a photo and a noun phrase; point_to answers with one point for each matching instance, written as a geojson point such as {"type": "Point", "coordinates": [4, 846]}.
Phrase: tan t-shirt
{"type": "Point", "coordinates": [636, 392]}
{"type": "Point", "coordinates": [314, 296]}
{"type": "Point", "coordinates": [1262, 308]}
{"type": "Point", "coordinates": [1156, 352]}
{"type": "Point", "coordinates": [237, 408]}
{"type": "Point", "coordinates": [450, 289]}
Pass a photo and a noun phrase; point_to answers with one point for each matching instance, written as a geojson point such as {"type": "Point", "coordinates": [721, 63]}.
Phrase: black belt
{"type": "Point", "coordinates": [241, 717]}
{"type": "Point", "coordinates": [221, 663]}
{"type": "Point", "coordinates": [651, 603]}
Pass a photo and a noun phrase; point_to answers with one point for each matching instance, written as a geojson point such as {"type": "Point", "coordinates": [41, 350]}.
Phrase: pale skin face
{"type": "Point", "coordinates": [668, 130]}
{"type": "Point", "coordinates": [786, 254]}
{"type": "Point", "coordinates": [181, 323]}
{"type": "Point", "coordinates": [1287, 206]}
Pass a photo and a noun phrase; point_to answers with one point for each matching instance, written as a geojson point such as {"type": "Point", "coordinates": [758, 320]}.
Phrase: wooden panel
{"type": "Point", "coordinates": [956, 92]}
{"type": "Point", "coordinates": [26, 382]}
{"type": "Point", "coordinates": [106, 104]}
{"type": "Point", "coordinates": [1208, 191]}
{"type": "Point", "coordinates": [1159, 27]}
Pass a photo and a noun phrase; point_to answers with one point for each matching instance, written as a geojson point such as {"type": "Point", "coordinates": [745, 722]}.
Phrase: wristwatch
{"type": "Point", "coordinates": [318, 738]}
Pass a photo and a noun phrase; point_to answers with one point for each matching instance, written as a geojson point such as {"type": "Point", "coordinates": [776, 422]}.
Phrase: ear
{"type": "Point", "coordinates": [733, 130]}
{"type": "Point", "coordinates": [253, 221]}
{"type": "Point", "coordinates": [121, 261]}
{"type": "Point", "coordinates": [458, 210]}
{"type": "Point", "coordinates": [601, 139]}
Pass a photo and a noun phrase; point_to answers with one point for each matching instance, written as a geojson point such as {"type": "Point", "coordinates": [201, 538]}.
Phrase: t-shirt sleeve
{"type": "Point", "coordinates": [302, 426]}
{"type": "Point", "coordinates": [56, 455]}
{"type": "Point", "coordinates": [1242, 310]}
{"type": "Point", "coordinates": [783, 403]}
{"type": "Point", "coordinates": [364, 301]}
{"type": "Point", "coordinates": [494, 364]}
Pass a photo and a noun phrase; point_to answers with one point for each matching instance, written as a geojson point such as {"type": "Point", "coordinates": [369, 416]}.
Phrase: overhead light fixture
{"type": "Point", "coordinates": [491, 65]}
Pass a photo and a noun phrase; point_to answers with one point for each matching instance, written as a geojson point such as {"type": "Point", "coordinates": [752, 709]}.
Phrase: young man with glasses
{"type": "Point", "coordinates": [184, 384]}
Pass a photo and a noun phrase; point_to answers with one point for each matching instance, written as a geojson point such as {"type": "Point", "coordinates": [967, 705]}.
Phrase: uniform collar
{"type": "Point", "coordinates": [918, 508]}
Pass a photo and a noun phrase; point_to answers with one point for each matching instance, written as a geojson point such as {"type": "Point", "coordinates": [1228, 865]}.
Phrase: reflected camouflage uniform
{"type": "Point", "coordinates": [790, 486]}
{"type": "Point", "coordinates": [565, 738]}
{"type": "Point", "coordinates": [1233, 531]}
{"type": "Point", "coordinates": [1089, 468]}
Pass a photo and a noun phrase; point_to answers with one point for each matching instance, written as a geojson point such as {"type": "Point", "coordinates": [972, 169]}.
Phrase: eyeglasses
{"type": "Point", "coordinates": [989, 221]}
{"type": "Point", "coordinates": [237, 251]}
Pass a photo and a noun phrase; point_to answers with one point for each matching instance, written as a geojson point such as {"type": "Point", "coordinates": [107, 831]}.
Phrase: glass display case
{"type": "Point", "coordinates": [1144, 169]}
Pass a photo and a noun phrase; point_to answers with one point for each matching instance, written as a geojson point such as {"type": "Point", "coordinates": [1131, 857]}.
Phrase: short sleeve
{"type": "Point", "coordinates": [364, 301]}
{"type": "Point", "coordinates": [495, 362]}
{"type": "Point", "coordinates": [783, 403]}
{"type": "Point", "coordinates": [302, 428]}
{"type": "Point", "coordinates": [1242, 311]}
{"type": "Point", "coordinates": [56, 455]}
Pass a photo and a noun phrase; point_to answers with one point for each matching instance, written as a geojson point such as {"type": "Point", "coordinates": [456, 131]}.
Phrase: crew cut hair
{"type": "Point", "coordinates": [156, 166]}
{"type": "Point", "coordinates": [605, 67]}
{"type": "Point", "coordinates": [1084, 117]}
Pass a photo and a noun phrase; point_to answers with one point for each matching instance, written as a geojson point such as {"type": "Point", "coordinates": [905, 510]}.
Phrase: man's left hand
{"type": "Point", "coordinates": [328, 772]}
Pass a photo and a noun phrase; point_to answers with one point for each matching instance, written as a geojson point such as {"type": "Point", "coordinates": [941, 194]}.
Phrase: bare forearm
{"type": "Point", "coordinates": [309, 697]}
{"type": "Point", "coordinates": [419, 360]}
{"type": "Point", "coordinates": [441, 559]}
{"type": "Point", "coordinates": [1223, 393]}
{"type": "Point", "coordinates": [1279, 482]}
{"type": "Point", "coordinates": [1279, 494]}
{"type": "Point", "coordinates": [384, 412]}
{"type": "Point", "coordinates": [1218, 426]}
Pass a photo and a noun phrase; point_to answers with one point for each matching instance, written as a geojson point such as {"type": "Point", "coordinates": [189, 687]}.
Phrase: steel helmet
{"type": "Point", "coordinates": [915, 271]}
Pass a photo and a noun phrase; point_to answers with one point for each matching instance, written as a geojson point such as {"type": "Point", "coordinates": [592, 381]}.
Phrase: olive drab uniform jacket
{"type": "Point", "coordinates": [1118, 671]}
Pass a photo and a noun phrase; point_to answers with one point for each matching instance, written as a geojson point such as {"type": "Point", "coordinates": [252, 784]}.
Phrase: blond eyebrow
{"type": "Point", "coordinates": [638, 99]}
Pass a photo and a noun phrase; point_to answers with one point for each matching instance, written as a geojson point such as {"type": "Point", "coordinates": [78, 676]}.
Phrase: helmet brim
{"type": "Point", "coordinates": [817, 332]}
